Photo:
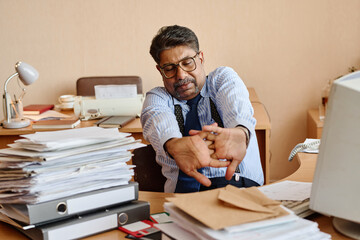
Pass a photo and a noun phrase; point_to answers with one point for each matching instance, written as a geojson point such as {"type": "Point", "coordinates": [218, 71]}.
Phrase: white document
{"type": "Point", "coordinates": [77, 162]}
{"type": "Point", "coordinates": [174, 230]}
{"type": "Point", "coordinates": [49, 156]}
{"type": "Point", "coordinates": [63, 144]}
{"type": "Point", "coordinates": [287, 190]}
{"type": "Point", "coordinates": [80, 160]}
{"type": "Point", "coordinates": [115, 91]}
{"type": "Point", "coordinates": [66, 184]}
{"type": "Point", "coordinates": [77, 133]}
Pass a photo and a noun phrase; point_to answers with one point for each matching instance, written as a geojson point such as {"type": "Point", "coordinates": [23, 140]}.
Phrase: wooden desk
{"type": "Point", "coordinates": [306, 164]}
{"type": "Point", "coordinates": [305, 172]}
{"type": "Point", "coordinates": [262, 130]}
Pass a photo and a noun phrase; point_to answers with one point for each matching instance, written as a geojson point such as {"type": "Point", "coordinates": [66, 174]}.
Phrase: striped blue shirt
{"type": "Point", "coordinates": [231, 98]}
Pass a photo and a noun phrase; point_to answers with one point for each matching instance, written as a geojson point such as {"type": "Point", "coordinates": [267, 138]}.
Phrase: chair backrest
{"type": "Point", "coordinates": [85, 85]}
{"type": "Point", "coordinates": [147, 171]}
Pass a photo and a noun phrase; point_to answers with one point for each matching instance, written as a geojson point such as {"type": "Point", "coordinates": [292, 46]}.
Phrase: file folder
{"type": "Point", "coordinates": [76, 204]}
{"type": "Point", "coordinates": [91, 223]}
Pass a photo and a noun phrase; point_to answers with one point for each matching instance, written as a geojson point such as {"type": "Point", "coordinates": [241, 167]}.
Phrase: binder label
{"type": "Point", "coordinates": [102, 199]}
{"type": "Point", "coordinates": [84, 229]}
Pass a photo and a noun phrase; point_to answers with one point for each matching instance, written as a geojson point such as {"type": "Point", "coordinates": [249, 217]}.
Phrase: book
{"type": "Point", "coordinates": [36, 109]}
{"type": "Point", "coordinates": [56, 124]}
{"type": "Point", "coordinates": [114, 121]}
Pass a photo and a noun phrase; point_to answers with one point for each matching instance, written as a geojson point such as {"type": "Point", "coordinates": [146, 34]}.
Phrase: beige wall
{"type": "Point", "coordinates": [287, 50]}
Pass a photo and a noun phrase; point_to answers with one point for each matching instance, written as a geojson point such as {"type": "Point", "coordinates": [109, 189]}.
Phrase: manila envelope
{"type": "Point", "coordinates": [229, 206]}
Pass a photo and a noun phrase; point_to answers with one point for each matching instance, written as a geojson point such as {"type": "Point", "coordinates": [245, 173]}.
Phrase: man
{"type": "Point", "coordinates": [206, 145]}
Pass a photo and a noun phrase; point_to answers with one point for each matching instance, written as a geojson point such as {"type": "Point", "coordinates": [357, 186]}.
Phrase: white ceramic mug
{"type": "Point", "coordinates": [66, 98]}
{"type": "Point", "coordinates": [67, 105]}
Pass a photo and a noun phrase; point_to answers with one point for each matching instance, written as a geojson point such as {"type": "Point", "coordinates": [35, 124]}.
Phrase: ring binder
{"type": "Point", "coordinates": [91, 223]}
{"type": "Point", "coordinates": [76, 204]}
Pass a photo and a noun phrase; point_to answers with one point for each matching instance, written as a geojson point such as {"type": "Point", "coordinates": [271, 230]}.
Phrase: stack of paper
{"type": "Point", "coordinates": [233, 213]}
{"type": "Point", "coordinates": [49, 165]}
{"type": "Point", "coordinates": [292, 194]}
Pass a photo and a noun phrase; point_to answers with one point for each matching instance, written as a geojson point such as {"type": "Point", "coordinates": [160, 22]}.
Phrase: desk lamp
{"type": "Point", "coordinates": [27, 75]}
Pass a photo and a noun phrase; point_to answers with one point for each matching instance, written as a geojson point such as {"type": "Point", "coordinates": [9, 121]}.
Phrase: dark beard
{"type": "Point", "coordinates": [184, 81]}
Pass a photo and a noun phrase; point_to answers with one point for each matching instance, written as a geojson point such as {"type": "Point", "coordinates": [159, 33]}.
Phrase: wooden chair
{"type": "Point", "coordinates": [147, 171]}
{"type": "Point", "coordinates": [85, 85]}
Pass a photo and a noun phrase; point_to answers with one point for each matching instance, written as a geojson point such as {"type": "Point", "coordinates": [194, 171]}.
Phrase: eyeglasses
{"type": "Point", "coordinates": [187, 64]}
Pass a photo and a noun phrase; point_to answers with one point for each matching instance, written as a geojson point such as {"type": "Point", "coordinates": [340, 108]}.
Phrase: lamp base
{"type": "Point", "coordinates": [16, 123]}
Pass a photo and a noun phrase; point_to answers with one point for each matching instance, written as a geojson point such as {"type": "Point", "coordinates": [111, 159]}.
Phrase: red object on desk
{"type": "Point", "coordinates": [35, 109]}
{"type": "Point", "coordinates": [140, 229]}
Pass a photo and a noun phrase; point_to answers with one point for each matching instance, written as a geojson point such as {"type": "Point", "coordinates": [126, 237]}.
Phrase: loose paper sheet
{"type": "Point", "coordinates": [287, 190]}
{"type": "Point", "coordinates": [115, 91]}
{"type": "Point", "coordinates": [173, 230]}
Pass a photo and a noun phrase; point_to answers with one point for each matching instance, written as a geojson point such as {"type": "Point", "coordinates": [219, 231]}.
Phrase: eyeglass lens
{"type": "Point", "coordinates": [187, 65]}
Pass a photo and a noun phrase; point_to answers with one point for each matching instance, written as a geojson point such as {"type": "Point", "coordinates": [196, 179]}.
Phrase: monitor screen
{"type": "Point", "coordinates": [336, 185]}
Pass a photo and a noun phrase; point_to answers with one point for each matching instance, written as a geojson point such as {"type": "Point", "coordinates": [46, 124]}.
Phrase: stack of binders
{"type": "Point", "coordinates": [70, 184]}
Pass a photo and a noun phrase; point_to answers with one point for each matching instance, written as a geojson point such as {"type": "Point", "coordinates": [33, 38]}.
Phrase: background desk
{"type": "Point", "coordinates": [314, 125]}
{"type": "Point", "coordinates": [305, 172]}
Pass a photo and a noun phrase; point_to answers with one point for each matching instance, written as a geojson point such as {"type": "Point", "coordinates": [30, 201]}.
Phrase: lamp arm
{"type": "Point", "coordinates": [7, 81]}
{"type": "Point", "coordinates": [7, 98]}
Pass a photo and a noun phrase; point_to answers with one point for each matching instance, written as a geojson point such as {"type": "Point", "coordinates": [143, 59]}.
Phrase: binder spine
{"type": "Point", "coordinates": [91, 223]}
{"type": "Point", "coordinates": [82, 203]}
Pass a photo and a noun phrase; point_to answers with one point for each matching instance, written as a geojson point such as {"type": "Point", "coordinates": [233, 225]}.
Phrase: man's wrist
{"type": "Point", "coordinates": [166, 149]}
{"type": "Point", "coordinates": [247, 133]}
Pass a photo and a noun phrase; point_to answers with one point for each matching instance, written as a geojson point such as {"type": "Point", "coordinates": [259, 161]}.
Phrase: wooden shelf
{"type": "Point", "coordinates": [314, 124]}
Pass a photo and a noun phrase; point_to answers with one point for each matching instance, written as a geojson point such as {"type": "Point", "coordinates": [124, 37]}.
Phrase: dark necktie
{"type": "Point", "coordinates": [186, 183]}
{"type": "Point", "coordinates": [192, 117]}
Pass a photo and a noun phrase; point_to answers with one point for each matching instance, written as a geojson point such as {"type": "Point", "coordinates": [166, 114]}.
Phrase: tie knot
{"type": "Point", "coordinates": [194, 101]}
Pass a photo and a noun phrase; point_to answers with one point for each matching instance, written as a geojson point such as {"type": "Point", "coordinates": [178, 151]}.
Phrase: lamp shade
{"type": "Point", "coordinates": [27, 73]}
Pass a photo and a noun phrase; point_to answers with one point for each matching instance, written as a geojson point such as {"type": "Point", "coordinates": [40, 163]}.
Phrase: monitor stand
{"type": "Point", "coordinates": [348, 228]}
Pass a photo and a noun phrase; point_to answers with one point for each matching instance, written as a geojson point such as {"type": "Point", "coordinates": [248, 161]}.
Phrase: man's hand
{"type": "Point", "coordinates": [228, 143]}
{"type": "Point", "coordinates": [192, 153]}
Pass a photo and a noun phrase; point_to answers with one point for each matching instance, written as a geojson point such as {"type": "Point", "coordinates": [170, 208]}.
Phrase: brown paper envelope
{"type": "Point", "coordinates": [212, 212]}
{"type": "Point", "coordinates": [253, 194]}
{"type": "Point", "coordinates": [242, 201]}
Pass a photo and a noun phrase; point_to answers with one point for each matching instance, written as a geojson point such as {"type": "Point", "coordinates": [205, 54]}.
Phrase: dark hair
{"type": "Point", "coordinates": [172, 36]}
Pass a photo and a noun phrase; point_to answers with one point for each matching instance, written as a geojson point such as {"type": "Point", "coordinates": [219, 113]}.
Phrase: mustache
{"type": "Point", "coordinates": [184, 81]}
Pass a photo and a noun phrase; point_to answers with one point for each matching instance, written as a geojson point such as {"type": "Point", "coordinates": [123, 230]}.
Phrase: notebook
{"type": "Point", "coordinates": [56, 124]}
{"type": "Point", "coordinates": [35, 109]}
{"type": "Point", "coordinates": [114, 121]}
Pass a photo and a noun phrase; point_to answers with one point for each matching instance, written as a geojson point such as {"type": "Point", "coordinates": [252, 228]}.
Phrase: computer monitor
{"type": "Point", "coordinates": [336, 185]}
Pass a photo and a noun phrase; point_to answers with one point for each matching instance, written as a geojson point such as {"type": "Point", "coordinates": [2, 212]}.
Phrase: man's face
{"type": "Point", "coordinates": [184, 85]}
